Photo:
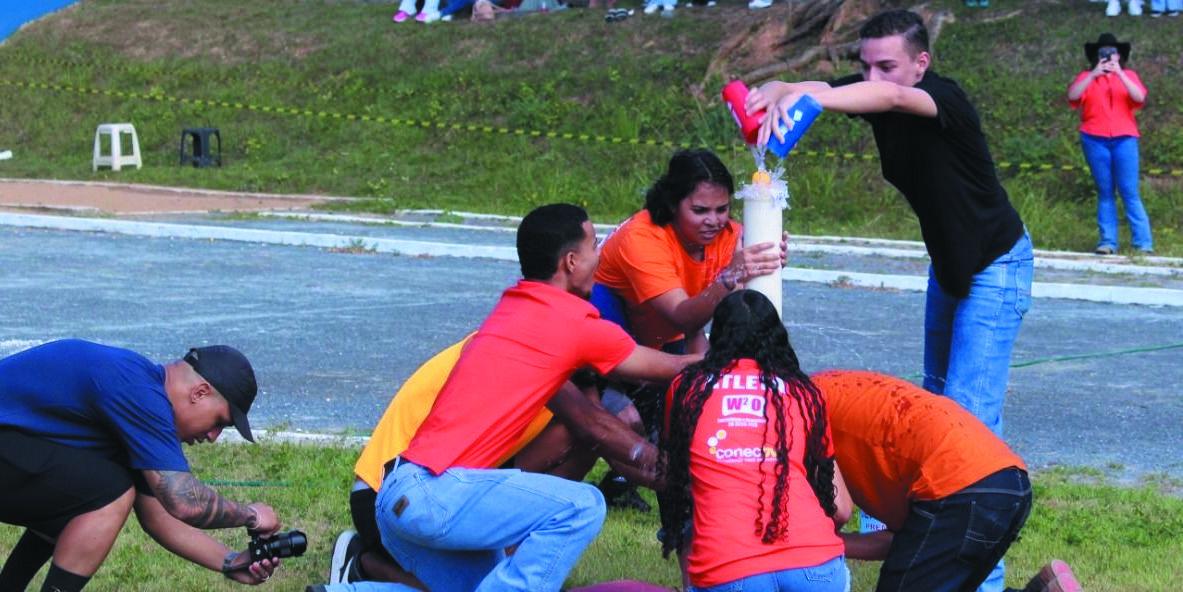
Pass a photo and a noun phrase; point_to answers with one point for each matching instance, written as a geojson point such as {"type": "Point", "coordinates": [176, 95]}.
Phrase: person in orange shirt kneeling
{"type": "Point", "coordinates": [953, 495]}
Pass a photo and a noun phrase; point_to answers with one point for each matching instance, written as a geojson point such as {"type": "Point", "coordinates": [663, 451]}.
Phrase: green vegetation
{"type": "Point", "coordinates": [568, 72]}
{"type": "Point", "coordinates": [1116, 538]}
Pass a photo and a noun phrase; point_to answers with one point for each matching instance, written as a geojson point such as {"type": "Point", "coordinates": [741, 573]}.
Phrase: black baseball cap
{"type": "Point", "coordinates": [228, 371]}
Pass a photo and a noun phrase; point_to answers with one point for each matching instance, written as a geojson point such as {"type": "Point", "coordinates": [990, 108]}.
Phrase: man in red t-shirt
{"type": "Point", "coordinates": [444, 512]}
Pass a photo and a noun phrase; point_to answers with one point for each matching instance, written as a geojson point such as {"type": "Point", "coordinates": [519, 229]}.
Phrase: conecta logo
{"type": "Point", "coordinates": [737, 453]}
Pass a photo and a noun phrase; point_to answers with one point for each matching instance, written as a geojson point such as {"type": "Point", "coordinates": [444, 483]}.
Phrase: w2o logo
{"type": "Point", "coordinates": [743, 405]}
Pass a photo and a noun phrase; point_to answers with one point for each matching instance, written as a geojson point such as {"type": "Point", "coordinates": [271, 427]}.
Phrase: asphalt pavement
{"type": "Point", "coordinates": [333, 332]}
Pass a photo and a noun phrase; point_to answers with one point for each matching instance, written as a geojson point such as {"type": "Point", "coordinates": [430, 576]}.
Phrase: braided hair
{"type": "Point", "coordinates": [746, 325]}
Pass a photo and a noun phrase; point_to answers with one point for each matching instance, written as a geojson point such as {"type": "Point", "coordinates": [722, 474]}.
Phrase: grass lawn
{"type": "Point", "coordinates": [332, 98]}
{"type": "Point", "coordinates": [1116, 538]}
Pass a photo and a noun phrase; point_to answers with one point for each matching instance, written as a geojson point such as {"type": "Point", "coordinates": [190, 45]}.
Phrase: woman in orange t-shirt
{"type": "Point", "coordinates": [673, 261]}
{"type": "Point", "coordinates": [1107, 97]}
{"type": "Point", "coordinates": [662, 272]}
{"type": "Point", "coordinates": [749, 456]}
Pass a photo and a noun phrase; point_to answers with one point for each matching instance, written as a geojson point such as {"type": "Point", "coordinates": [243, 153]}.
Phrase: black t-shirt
{"type": "Point", "coordinates": [943, 167]}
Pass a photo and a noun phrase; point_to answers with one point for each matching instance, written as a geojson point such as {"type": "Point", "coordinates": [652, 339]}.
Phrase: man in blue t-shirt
{"type": "Point", "coordinates": [87, 432]}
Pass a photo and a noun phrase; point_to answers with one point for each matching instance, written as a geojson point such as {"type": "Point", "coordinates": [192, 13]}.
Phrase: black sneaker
{"type": "Point", "coordinates": [619, 493]}
{"type": "Point", "coordinates": [345, 552]}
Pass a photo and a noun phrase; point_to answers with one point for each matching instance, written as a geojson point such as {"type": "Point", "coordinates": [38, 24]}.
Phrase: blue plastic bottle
{"type": "Point", "coordinates": [803, 113]}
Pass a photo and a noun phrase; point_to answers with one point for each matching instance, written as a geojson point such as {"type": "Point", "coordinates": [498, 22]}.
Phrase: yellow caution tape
{"type": "Point", "coordinates": [600, 139]}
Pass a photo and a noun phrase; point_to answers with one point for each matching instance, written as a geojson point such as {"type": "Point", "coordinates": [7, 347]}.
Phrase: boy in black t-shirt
{"type": "Point", "coordinates": [932, 149]}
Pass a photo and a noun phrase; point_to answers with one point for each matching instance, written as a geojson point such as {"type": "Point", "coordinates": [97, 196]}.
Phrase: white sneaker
{"type": "Point", "coordinates": [1135, 7]}
{"type": "Point", "coordinates": [758, 4]}
{"type": "Point", "coordinates": [652, 6]}
{"type": "Point", "coordinates": [1114, 8]}
{"type": "Point", "coordinates": [428, 16]}
{"type": "Point", "coordinates": [344, 554]}
{"type": "Point", "coordinates": [406, 11]}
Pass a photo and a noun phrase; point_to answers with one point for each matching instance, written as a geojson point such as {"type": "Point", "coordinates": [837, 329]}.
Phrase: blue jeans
{"type": "Point", "coordinates": [968, 342]}
{"type": "Point", "coordinates": [831, 576]}
{"type": "Point", "coordinates": [1164, 5]}
{"type": "Point", "coordinates": [451, 530]}
{"type": "Point", "coordinates": [954, 542]}
{"type": "Point", "coordinates": [1114, 163]}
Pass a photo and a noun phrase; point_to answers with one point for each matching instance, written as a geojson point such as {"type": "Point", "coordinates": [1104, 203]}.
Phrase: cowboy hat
{"type": "Point", "coordinates": [1107, 40]}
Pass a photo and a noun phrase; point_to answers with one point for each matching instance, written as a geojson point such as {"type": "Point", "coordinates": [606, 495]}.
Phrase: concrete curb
{"type": "Point", "coordinates": [253, 235]}
{"type": "Point", "coordinates": [908, 283]}
{"type": "Point", "coordinates": [413, 248]}
{"type": "Point", "coordinates": [1058, 260]}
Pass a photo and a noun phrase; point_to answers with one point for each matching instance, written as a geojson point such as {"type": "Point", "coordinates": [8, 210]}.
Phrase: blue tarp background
{"type": "Point", "coordinates": [14, 13]}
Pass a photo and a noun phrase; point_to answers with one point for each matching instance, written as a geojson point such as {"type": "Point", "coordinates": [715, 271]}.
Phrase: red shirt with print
{"type": "Point", "coordinates": [531, 343]}
{"type": "Point", "coordinates": [729, 459]}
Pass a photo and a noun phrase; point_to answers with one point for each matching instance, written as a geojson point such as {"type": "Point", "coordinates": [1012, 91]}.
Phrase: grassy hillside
{"type": "Point", "coordinates": [379, 110]}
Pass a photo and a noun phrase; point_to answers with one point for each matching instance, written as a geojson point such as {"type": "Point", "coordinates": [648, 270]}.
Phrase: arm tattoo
{"type": "Point", "coordinates": [195, 503]}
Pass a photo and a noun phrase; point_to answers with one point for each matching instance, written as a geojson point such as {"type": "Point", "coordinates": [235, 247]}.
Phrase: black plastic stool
{"type": "Point", "coordinates": [201, 155]}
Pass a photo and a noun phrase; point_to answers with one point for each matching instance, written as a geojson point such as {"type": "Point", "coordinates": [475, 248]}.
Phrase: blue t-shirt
{"type": "Point", "coordinates": [93, 396]}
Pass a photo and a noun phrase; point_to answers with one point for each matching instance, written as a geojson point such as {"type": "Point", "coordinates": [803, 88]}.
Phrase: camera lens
{"type": "Point", "coordinates": [285, 544]}
{"type": "Point", "coordinates": [289, 544]}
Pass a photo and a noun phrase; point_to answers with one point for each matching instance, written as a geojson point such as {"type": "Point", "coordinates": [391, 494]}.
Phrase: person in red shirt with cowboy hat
{"type": "Point", "coordinates": [1107, 95]}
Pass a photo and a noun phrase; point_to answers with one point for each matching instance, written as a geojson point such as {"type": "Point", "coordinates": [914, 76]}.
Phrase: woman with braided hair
{"type": "Point", "coordinates": [749, 462]}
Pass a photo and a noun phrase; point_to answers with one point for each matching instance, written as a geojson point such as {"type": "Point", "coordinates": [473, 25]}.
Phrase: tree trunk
{"type": "Point", "coordinates": [799, 34]}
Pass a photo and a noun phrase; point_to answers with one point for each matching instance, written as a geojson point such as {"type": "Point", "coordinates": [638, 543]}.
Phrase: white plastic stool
{"type": "Point", "coordinates": [116, 160]}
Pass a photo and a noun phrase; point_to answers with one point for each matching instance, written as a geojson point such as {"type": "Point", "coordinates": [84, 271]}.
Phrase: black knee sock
{"type": "Point", "coordinates": [27, 557]}
{"type": "Point", "coordinates": [60, 580]}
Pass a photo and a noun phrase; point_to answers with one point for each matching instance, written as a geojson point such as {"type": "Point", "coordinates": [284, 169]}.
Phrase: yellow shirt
{"type": "Point", "coordinates": [410, 407]}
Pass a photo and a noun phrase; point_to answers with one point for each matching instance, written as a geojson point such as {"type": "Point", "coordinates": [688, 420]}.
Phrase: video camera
{"type": "Point", "coordinates": [292, 543]}
{"type": "Point", "coordinates": [1105, 53]}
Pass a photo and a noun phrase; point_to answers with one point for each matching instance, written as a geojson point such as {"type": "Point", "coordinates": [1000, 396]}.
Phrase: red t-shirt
{"type": "Point", "coordinates": [1106, 108]}
{"type": "Point", "coordinates": [726, 455]}
{"type": "Point", "coordinates": [532, 342]}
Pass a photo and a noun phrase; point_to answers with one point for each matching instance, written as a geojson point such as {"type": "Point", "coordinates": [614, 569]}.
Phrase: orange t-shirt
{"type": "Point", "coordinates": [642, 260]}
{"type": "Point", "coordinates": [410, 407]}
{"type": "Point", "coordinates": [897, 442]}
{"type": "Point", "coordinates": [531, 343]}
{"type": "Point", "coordinates": [730, 457]}
{"type": "Point", "coordinates": [1106, 108]}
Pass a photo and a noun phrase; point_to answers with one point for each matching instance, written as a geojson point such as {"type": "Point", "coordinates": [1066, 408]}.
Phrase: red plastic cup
{"type": "Point", "coordinates": [734, 95]}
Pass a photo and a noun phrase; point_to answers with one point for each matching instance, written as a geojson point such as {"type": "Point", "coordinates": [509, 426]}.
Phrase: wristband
{"type": "Point", "coordinates": [230, 557]}
{"type": "Point", "coordinates": [728, 279]}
